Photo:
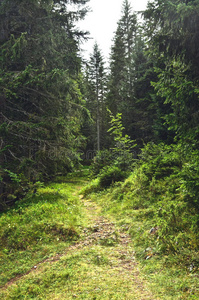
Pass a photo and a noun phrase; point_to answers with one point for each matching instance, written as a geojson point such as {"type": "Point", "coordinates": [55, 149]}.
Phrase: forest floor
{"type": "Point", "coordinates": [100, 264]}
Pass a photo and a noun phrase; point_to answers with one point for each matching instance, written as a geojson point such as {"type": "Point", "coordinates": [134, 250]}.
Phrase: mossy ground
{"type": "Point", "coordinates": [98, 263]}
{"type": "Point", "coordinates": [100, 266]}
{"type": "Point", "coordinates": [171, 273]}
{"type": "Point", "coordinates": [97, 248]}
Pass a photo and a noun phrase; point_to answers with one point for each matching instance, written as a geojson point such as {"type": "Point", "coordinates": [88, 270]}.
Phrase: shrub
{"type": "Point", "coordinates": [160, 161]}
{"type": "Point", "coordinates": [190, 179]}
{"type": "Point", "coordinates": [123, 145]}
{"type": "Point", "coordinates": [102, 159]}
{"type": "Point", "coordinates": [94, 186]}
{"type": "Point", "coordinates": [110, 175]}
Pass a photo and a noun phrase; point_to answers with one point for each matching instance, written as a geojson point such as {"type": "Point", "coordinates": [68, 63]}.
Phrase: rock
{"type": "Point", "coordinates": [153, 230]}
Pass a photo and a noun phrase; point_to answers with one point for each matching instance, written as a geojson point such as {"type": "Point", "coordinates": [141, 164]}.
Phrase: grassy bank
{"type": "Point", "coordinates": [159, 209]}
{"type": "Point", "coordinates": [39, 227]}
{"type": "Point", "coordinates": [172, 272]}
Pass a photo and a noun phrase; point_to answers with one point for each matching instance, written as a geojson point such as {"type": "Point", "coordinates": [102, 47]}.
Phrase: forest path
{"type": "Point", "coordinates": [101, 265]}
{"type": "Point", "coordinates": [115, 255]}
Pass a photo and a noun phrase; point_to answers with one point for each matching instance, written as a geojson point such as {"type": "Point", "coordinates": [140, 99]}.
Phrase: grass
{"type": "Point", "coordinates": [54, 245]}
{"type": "Point", "coordinates": [79, 253]}
{"type": "Point", "coordinates": [40, 226]}
{"type": "Point", "coordinates": [87, 274]}
{"type": "Point", "coordinates": [168, 255]}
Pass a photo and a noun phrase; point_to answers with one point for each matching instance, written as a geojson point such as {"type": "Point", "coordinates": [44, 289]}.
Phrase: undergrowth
{"type": "Point", "coordinates": [158, 203]}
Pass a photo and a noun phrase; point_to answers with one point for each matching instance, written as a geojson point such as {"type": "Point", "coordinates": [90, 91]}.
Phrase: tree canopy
{"type": "Point", "coordinates": [40, 76]}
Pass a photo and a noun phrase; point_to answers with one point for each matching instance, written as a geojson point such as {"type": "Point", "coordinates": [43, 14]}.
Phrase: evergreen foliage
{"type": "Point", "coordinates": [122, 76]}
{"type": "Point", "coordinates": [95, 94]}
{"type": "Point", "coordinates": [141, 119]}
{"type": "Point", "coordinates": [40, 95]}
{"type": "Point", "coordinates": [173, 36]}
{"type": "Point", "coordinates": [110, 175]}
{"type": "Point", "coordinates": [153, 82]}
{"type": "Point", "coordinates": [49, 106]}
{"type": "Point", "coordinates": [115, 164]}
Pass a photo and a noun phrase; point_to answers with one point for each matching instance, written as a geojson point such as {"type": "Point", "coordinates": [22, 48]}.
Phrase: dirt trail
{"type": "Point", "coordinates": [122, 254]}
{"type": "Point", "coordinates": [111, 241]}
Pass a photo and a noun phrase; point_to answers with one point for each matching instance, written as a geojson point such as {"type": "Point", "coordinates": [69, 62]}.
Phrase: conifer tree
{"type": "Point", "coordinates": [121, 61]}
{"type": "Point", "coordinates": [172, 29]}
{"type": "Point", "coordinates": [41, 102]}
{"type": "Point", "coordinates": [129, 82]}
{"type": "Point", "coordinates": [95, 95]}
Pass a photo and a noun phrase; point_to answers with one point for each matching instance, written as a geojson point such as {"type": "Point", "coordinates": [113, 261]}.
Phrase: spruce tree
{"type": "Point", "coordinates": [95, 95]}
{"type": "Point", "coordinates": [172, 29]}
{"type": "Point", "coordinates": [129, 82]}
{"type": "Point", "coordinates": [41, 102]}
{"type": "Point", "coordinates": [121, 61]}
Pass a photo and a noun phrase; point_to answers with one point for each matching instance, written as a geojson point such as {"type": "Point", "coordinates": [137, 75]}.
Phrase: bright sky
{"type": "Point", "coordinates": [102, 23]}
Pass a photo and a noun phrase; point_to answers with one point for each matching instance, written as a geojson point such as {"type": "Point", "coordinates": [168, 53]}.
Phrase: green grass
{"type": "Point", "coordinates": [40, 226]}
{"type": "Point", "coordinates": [56, 262]}
{"type": "Point", "coordinates": [169, 257]}
{"type": "Point", "coordinates": [56, 246]}
{"type": "Point", "coordinates": [83, 275]}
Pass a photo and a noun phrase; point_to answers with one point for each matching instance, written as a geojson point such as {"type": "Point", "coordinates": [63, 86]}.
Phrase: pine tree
{"type": "Point", "coordinates": [172, 28]}
{"type": "Point", "coordinates": [121, 62]}
{"type": "Point", "coordinates": [39, 87]}
{"type": "Point", "coordinates": [129, 84]}
{"type": "Point", "coordinates": [96, 92]}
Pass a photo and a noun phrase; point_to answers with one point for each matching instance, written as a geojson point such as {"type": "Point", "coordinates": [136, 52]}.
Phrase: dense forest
{"type": "Point", "coordinates": [131, 124]}
{"type": "Point", "coordinates": [141, 113]}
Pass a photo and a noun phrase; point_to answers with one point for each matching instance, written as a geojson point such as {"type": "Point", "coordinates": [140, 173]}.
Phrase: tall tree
{"type": "Point", "coordinates": [41, 103]}
{"type": "Point", "coordinates": [129, 82]}
{"type": "Point", "coordinates": [172, 29]}
{"type": "Point", "coordinates": [96, 90]}
{"type": "Point", "coordinates": [121, 61]}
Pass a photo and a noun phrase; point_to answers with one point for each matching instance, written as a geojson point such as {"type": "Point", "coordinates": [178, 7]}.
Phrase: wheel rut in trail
{"type": "Point", "coordinates": [103, 236]}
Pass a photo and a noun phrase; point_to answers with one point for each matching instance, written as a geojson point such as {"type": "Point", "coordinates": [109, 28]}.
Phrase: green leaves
{"type": "Point", "coordinates": [190, 179]}
{"type": "Point", "coordinates": [176, 86]}
{"type": "Point", "coordinates": [122, 143]}
{"type": "Point", "coordinates": [171, 29]}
